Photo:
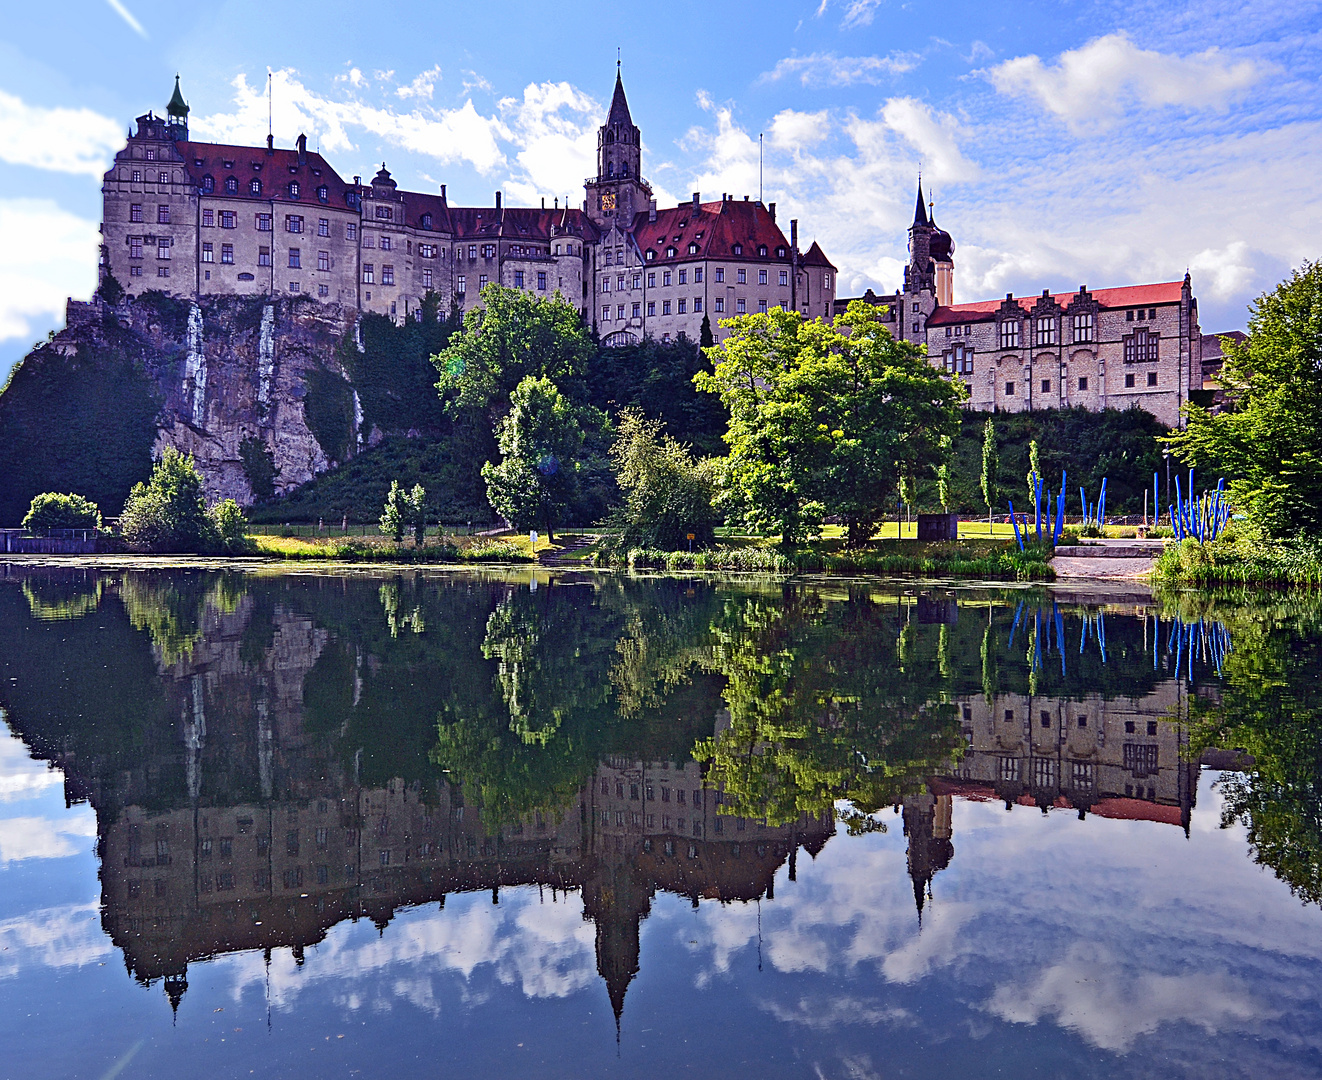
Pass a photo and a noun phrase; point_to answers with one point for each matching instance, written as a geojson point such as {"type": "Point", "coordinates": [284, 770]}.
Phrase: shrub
{"type": "Point", "coordinates": [167, 513]}
{"type": "Point", "coordinates": [230, 527]}
{"type": "Point", "coordinates": [53, 511]}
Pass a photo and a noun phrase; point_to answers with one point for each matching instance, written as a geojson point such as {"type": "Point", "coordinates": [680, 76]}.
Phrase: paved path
{"type": "Point", "coordinates": [1114, 560]}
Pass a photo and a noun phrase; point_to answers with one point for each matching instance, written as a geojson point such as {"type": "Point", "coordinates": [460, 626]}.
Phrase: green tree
{"type": "Point", "coordinates": [404, 511]}
{"type": "Point", "coordinates": [705, 337]}
{"type": "Point", "coordinates": [512, 335]}
{"type": "Point", "coordinates": [54, 511]}
{"type": "Point", "coordinates": [1269, 442]}
{"type": "Point", "coordinates": [991, 462]}
{"type": "Point", "coordinates": [667, 495]}
{"type": "Point", "coordinates": [168, 512]}
{"type": "Point", "coordinates": [539, 439]}
{"type": "Point", "coordinates": [229, 527]}
{"type": "Point", "coordinates": [826, 418]}
{"type": "Point", "coordinates": [1034, 470]}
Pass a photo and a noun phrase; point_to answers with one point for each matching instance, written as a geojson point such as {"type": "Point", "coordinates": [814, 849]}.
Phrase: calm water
{"type": "Point", "coordinates": [483, 825]}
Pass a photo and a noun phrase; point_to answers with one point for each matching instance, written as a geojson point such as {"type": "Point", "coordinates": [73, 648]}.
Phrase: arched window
{"type": "Point", "coordinates": [255, 186]}
{"type": "Point", "coordinates": [208, 184]}
{"type": "Point", "coordinates": [231, 186]}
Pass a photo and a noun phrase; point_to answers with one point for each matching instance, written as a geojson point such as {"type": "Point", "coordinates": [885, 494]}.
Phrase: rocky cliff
{"type": "Point", "coordinates": [254, 388]}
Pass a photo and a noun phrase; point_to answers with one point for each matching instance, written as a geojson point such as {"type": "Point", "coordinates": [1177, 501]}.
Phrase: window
{"type": "Point", "coordinates": [1082, 328]}
{"type": "Point", "coordinates": [683, 277]}
{"type": "Point", "coordinates": [472, 251]}
{"type": "Point", "coordinates": [740, 307]}
{"type": "Point", "coordinates": [826, 281]}
{"type": "Point", "coordinates": [264, 256]}
{"type": "Point", "coordinates": [385, 243]}
{"type": "Point", "coordinates": [720, 274]}
{"type": "Point", "coordinates": [1141, 759]}
{"type": "Point", "coordinates": [293, 189]}
{"type": "Point", "coordinates": [135, 271]}
{"type": "Point", "coordinates": [264, 223]}
{"type": "Point", "coordinates": [369, 274]}
{"type": "Point", "coordinates": [1141, 346]}
{"type": "Point", "coordinates": [720, 304]}
{"type": "Point", "coordinates": [295, 256]}
{"type": "Point", "coordinates": [761, 277]}
{"type": "Point", "coordinates": [293, 223]}
{"type": "Point", "coordinates": [619, 312]}
{"type": "Point", "coordinates": [741, 276]}
{"type": "Point", "coordinates": [151, 155]}
{"type": "Point", "coordinates": [784, 278]}
{"type": "Point", "coordinates": [162, 271]}
{"type": "Point", "coordinates": [739, 249]}
{"type": "Point", "coordinates": [671, 253]}
{"type": "Point", "coordinates": [227, 254]}
{"type": "Point", "coordinates": [488, 251]}
{"type": "Point", "coordinates": [162, 215]}
{"type": "Point", "coordinates": [1129, 315]}
{"type": "Point", "coordinates": [137, 176]}
{"type": "Point", "coordinates": [163, 247]}
{"type": "Point", "coordinates": [387, 275]}
{"type": "Point", "coordinates": [665, 307]}
{"type": "Point", "coordinates": [369, 241]}
{"type": "Point", "coordinates": [606, 313]}
{"type": "Point", "coordinates": [135, 212]}
{"type": "Point", "coordinates": [208, 219]}
{"type": "Point", "coordinates": [323, 290]}
{"type": "Point", "coordinates": [481, 282]}
{"type": "Point", "coordinates": [460, 284]}
{"type": "Point", "coordinates": [697, 275]}
{"type": "Point", "coordinates": [228, 219]}
{"type": "Point", "coordinates": [683, 306]}
{"type": "Point", "coordinates": [651, 307]}
{"type": "Point", "coordinates": [1009, 389]}
{"type": "Point", "coordinates": [605, 284]}
{"type": "Point", "coordinates": [351, 230]}
{"type": "Point", "coordinates": [762, 305]}
{"type": "Point", "coordinates": [1045, 330]}
{"type": "Point", "coordinates": [323, 193]}
{"type": "Point", "coordinates": [208, 253]}
{"type": "Point", "coordinates": [541, 280]}
{"type": "Point", "coordinates": [637, 281]}
{"type": "Point", "coordinates": [1046, 386]}
{"type": "Point", "coordinates": [323, 226]}
{"type": "Point", "coordinates": [1152, 378]}
{"type": "Point", "coordinates": [651, 280]}
{"type": "Point", "coordinates": [255, 186]}
{"type": "Point", "coordinates": [665, 277]}
{"type": "Point", "coordinates": [697, 305]}
{"type": "Point", "coordinates": [518, 279]}
{"type": "Point", "coordinates": [637, 311]}
{"type": "Point", "coordinates": [231, 185]}
{"type": "Point", "coordinates": [1129, 381]}
{"type": "Point", "coordinates": [323, 260]}
{"type": "Point", "coordinates": [1083, 382]}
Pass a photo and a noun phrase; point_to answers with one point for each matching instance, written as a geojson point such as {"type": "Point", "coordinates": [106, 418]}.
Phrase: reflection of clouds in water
{"type": "Point", "coordinates": [20, 776]}
{"type": "Point", "coordinates": [54, 937]}
{"type": "Point", "coordinates": [545, 949]}
{"type": "Point", "coordinates": [1111, 1005]}
{"type": "Point", "coordinates": [827, 1016]}
{"type": "Point", "coordinates": [1127, 927]}
{"type": "Point", "coordinates": [44, 838]}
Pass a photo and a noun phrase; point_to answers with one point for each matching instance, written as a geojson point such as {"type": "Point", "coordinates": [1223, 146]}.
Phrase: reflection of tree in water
{"type": "Point", "coordinates": [1271, 706]}
{"type": "Point", "coordinates": [401, 614]}
{"type": "Point", "coordinates": [64, 596]}
{"type": "Point", "coordinates": [828, 701]}
{"type": "Point", "coordinates": [171, 606]}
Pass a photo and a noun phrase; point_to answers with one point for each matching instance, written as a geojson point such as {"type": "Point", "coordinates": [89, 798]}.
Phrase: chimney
{"type": "Point", "coordinates": [794, 234]}
{"type": "Point", "coordinates": [771, 209]}
{"type": "Point", "coordinates": [498, 200]}
{"type": "Point", "coordinates": [1009, 296]}
{"type": "Point", "coordinates": [442, 191]}
{"type": "Point", "coordinates": [270, 144]}
{"type": "Point", "coordinates": [697, 200]}
{"type": "Point", "coordinates": [745, 198]}
{"type": "Point", "coordinates": [651, 209]}
{"type": "Point", "coordinates": [357, 181]}
{"type": "Point", "coordinates": [302, 149]}
{"type": "Point", "coordinates": [543, 202]}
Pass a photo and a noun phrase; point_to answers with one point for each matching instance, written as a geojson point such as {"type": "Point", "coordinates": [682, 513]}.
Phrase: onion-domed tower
{"type": "Point", "coordinates": [942, 249]}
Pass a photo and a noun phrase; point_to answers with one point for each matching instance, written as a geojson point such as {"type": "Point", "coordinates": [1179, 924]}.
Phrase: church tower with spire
{"type": "Point", "coordinates": [618, 191]}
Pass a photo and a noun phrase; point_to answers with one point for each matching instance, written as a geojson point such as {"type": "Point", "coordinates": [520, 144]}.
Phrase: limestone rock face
{"type": "Point", "coordinates": [231, 370]}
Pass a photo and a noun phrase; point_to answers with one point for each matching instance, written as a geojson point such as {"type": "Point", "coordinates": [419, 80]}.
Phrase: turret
{"type": "Point", "coordinates": [177, 111]}
{"type": "Point", "coordinates": [618, 191]}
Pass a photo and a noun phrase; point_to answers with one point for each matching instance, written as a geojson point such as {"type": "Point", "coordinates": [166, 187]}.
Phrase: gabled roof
{"type": "Point", "coordinates": [715, 228]}
{"type": "Point", "coordinates": [1166, 292]}
{"type": "Point", "coordinates": [275, 170]}
{"type": "Point", "coordinates": [417, 203]}
{"type": "Point", "coordinates": [815, 256]}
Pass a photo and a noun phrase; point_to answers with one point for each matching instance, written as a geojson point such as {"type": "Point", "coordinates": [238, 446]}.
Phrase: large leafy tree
{"type": "Point", "coordinates": [539, 440]}
{"type": "Point", "coordinates": [667, 495]}
{"type": "Point", "coordinates": [826, 418]}
{"type": "Point", "coordinates": [1269, 443]}
{"type": "Point", "coordinates": [511, 336]}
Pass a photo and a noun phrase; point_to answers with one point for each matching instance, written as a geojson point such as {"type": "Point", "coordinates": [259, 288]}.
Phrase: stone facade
{"type": "Point", "coordinates": [192, 219]}
{"type": "Point", "coordinates": [1139, 345]}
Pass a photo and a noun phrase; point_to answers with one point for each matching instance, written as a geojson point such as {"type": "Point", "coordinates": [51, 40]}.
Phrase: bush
{"type": "Point", "coordinates": [167, 513]}
{"type": "Point", "coordinates": [230, 528]}
{"type": "Point", "coordinates": [53, 511]}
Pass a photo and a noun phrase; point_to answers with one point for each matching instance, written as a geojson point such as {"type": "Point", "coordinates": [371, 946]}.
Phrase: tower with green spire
{"type": "Point", "coordinates": [177, 111]}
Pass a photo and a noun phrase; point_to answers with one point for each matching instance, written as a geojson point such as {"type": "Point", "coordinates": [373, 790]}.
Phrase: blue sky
{"type": "Point", "coordinates": [1067, 143]}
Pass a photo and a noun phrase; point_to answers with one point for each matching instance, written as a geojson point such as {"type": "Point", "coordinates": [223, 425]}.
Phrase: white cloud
{"type": "Point", "coordinates": [792, 130]}
{"type": "Point", "coordinates": [827, 69]}
{"type": "Point", "coordinates": [1098, 80]}
{"type": "Point", "coordinates": [44, 838]}
{"type": "Point", "coordinates": [119, 9]}
{"type": "Point", "coordinates": [860, 12]}
{"type": "Point", "coordinates": [48, 254]}
{"type": "Point", "coordinates": [60, 937]}
{"type": "Point", "coordinates": [554, 125]}
{"type": "Point", "coordinates": [423, 86]}
{"type": "Point", "coordinates": [77, 141]}
{"type": "Point", "coordinates": [20, 776]}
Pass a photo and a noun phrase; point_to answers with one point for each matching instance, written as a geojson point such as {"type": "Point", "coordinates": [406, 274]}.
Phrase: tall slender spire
{"type": "Point", "coordinates": [619, 111]}
{"type": "Point", "coordinates": [920, 210]}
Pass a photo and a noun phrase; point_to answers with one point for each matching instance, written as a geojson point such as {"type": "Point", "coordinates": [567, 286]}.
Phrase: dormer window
{"type": "Point", "coordinates": [426, 222]}
{"type": "Point", "coordinates": [671, 253]}
{"type": "Point", "coordinates": [650, 256]}
{"type": "Point", "coordinates": [208, 184]}
{"type": "Point", "coordinates": [323, 193]}
{"type": "Point", "coordinates": [693, 249]}
{"type": "Point", "coordinates": [780, 252]}
{"type": "Point", "coordinates": [739, 249]}
{"type": "Point", "coordinates": [229, 164]}
{"type": "Point", "coordinates": [255, 186]}
{"type": "Point", "coordinates": [293, 189]}
{"type": "Point", "coordinates": [762, 250]}
{"type": "Point", "coordinates": [231, 186]}
{"type": "Point", "coordinates": [197, 162]}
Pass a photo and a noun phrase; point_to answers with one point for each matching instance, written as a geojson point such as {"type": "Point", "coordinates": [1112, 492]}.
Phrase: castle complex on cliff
{"type": "Point", "coordinates": [192, 218]}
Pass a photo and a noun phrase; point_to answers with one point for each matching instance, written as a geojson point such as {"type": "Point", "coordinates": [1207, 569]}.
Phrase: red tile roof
{"type": "Point", "coordinates": [518, 223]}
{"type": "Point", "coordinates": [815, 256]}
{"type": "Point", "coordinates": [277, 169]}
{"type": "Point", "coordinates": [715, 228]}
{"type": "Point", "coordinates": [1137, 810]}
{"type": "Point", "coordinates": [1167, 292]}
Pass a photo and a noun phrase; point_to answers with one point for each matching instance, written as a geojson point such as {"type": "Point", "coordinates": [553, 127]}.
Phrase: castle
{"type": "Point", "coordinates": [1050, 351]}
{"type": "Point", "coordinates": [192, 218]}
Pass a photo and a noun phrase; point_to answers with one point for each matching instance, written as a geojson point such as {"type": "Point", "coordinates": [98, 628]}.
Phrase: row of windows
{"type": "Point", "coordinates": [682, 307]}
{"type": "Point", "coordinates": [1130, 382]}
{"type": "Point", "coordinates": [668, 277]}
{"type": "Point", "coordinates": [1044, 330]}
{"type": "Point", "coordinates": [649, 791]}
{"type": "Point", "coordinates": [738, 249]}
{"type": "Point", "coordinates": [231, 187]}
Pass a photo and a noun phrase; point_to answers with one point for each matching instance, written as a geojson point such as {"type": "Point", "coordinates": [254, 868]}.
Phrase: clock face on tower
{"type": "Point", "coordinates": [608, 201]}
